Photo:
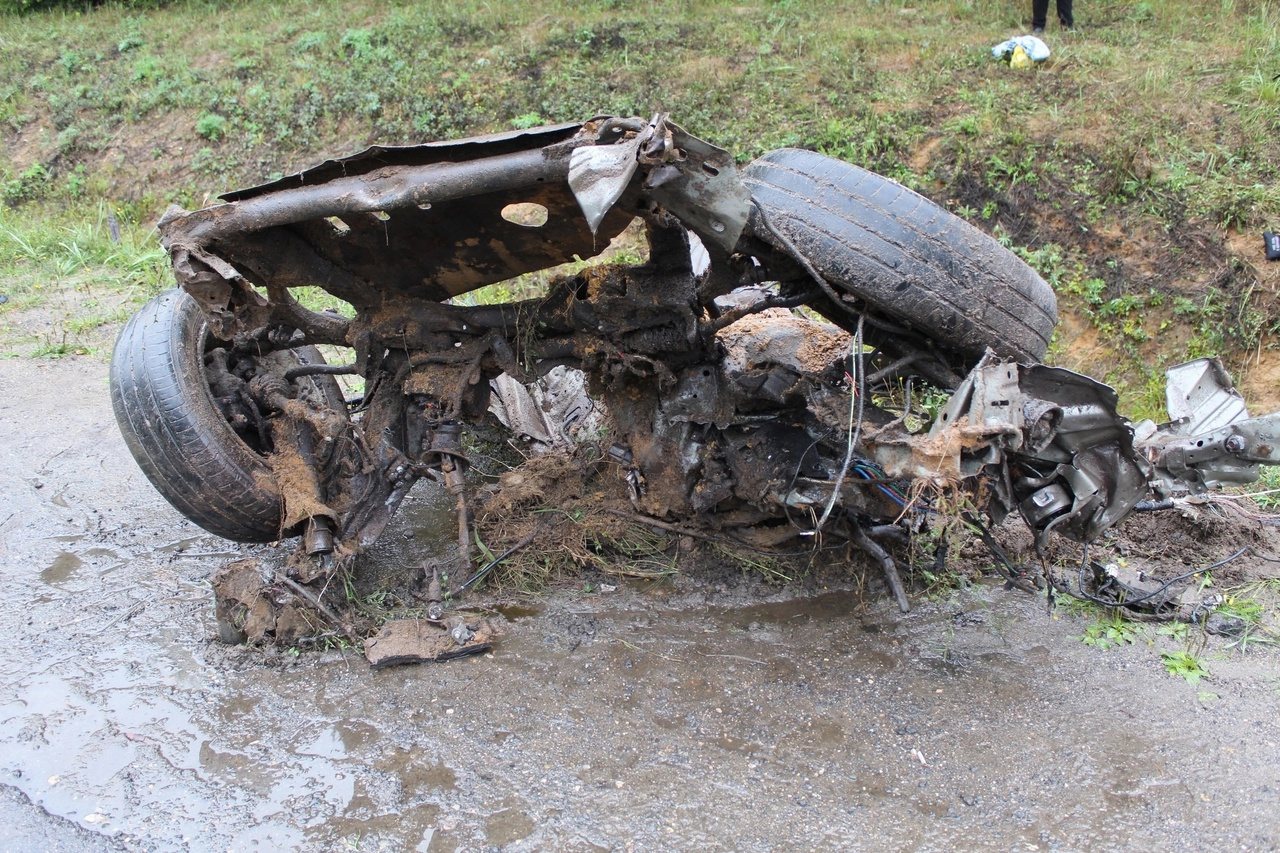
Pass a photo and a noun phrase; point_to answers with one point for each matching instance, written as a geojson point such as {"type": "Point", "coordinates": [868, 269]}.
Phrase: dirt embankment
{"type": "Point", "coordinates": [1142, 284]}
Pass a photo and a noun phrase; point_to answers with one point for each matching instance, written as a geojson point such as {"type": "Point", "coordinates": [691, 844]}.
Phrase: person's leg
{"type": "Point", "coordinates": [1064, 13]}
{"type": "Point", "coordinates": [1039, 9]}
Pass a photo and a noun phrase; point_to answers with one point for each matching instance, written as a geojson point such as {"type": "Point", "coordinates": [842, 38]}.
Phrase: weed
{"type": "Point", "coordinates": [211, 126]}
{"type": "Point", "coordinates": [31, 184]}
{"type": "Point", "coordinates": [1109, 632]}
{"type": "Point", "coordinates": [1184, 665]}
{"type": "Point", "coordinates": [1243, 607]}
{"type": "Point", "coordinates": [52, 347]}
{"type": "Point", "coordinates": [1254, 604]}
{"type": "Point", "coordinates": [1266, 493]}
{"type": "Point", "coordinates": [527, 120]}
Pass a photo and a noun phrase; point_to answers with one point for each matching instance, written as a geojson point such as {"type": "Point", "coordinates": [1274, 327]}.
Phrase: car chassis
{"type": "Point", "coordinates": [763, 432]}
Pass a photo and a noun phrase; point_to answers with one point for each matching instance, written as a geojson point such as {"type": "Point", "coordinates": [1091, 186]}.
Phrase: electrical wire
{"type": "Point", "coordinates": [861, 469]}
{"type": "Point", "coordinates": [857, 391]}
{"type": "Point", "coordinates": [1013, 575]}
{"type": "Point", "coordinates": [1084, 562]}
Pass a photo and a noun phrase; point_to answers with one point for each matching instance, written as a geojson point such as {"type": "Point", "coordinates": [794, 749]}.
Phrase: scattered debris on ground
{"type": "Point", "coordinates": [404, 641]}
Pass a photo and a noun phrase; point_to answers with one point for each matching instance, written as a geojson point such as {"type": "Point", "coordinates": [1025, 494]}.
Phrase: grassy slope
{"type": "Point", "coordinates": [1135, 170]}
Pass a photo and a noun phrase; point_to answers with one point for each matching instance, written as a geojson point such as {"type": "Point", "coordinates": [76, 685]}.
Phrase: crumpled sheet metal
{"type": "Point", "coordinates": [553, 412]}
{"type": "Point", "coordinates": [983, 420]}
{"type": "Point", "coordinates": [690, 177]}
{"type": "Point", "coordinates": [1046, 419]}
{"type": "Point", "coordinates": [420, 221]}
{"type": "Point", "coordinates": [1201, 397]}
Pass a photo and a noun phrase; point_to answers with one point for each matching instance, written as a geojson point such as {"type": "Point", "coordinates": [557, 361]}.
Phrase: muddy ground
{"type": "Point", "coordinates": [694, 714]}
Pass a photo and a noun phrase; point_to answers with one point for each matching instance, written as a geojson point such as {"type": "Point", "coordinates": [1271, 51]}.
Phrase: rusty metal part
{"type": "Point", "coordinates": [446, 452]}
{"type": "Point", "coordinates": [707, 194]}
{"type": "Point", "coordinates": [319, 370]}
{"type": "Point", "coordinates": [318, 538]}
{"type": "Point", "coordinates": [422, 221]}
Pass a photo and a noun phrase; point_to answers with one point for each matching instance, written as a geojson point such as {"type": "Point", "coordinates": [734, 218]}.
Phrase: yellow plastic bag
{"type": "Point", "coordinates": [1020, 58]}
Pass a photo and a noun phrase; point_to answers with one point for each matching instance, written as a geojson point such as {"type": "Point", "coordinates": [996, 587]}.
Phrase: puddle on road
{"type": "Point", "coordinates": [64, 565]}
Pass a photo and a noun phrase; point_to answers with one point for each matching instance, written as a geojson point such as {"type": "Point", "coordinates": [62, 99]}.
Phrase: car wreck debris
{"type": "Point", "coordinates": [404, 641]}
{"type": "Point", "coordinates": [758, 378]}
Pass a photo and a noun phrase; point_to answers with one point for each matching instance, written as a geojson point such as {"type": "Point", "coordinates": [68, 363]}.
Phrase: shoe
{"type": "Point", "coordinates": [1037, 31]}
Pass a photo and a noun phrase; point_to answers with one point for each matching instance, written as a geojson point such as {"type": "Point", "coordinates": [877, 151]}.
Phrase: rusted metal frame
{"type": "Point", "coordinates": [708, 330]}
{"type": "Point", "coordinates": [441, 318]}
{"type": "Point", "coordinates": [303, 440]}
{"type": "Point", "coordinates": [285, 258]}
{"type": "Point", "coordinates": [384, 471]}
{"type": "Point", "coordinates": [384, 189]}
{"type": "Point", "coordinates": [317, 328]}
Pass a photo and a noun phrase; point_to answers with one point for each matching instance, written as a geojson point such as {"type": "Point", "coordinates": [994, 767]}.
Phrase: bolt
{"type": "Point", "coordinates": [1234, 443]}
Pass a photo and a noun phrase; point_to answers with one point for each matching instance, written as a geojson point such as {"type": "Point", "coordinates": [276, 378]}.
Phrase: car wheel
{"type": "Point", "coordinates": [901, 254]}
{"type": "Point", "coordinates": [212, 473]}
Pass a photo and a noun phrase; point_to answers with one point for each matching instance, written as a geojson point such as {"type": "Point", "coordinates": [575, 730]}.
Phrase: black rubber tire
{"type": "Point", "coordinates": [176, 433]}
{"type": "Point", "coordinates": [917, 263]}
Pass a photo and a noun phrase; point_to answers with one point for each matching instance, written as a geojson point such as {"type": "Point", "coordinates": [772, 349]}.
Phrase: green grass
{"type": "Point", "coordinates": [71, 277]}
{"type": "Point", "coordinates": [1184, 665]}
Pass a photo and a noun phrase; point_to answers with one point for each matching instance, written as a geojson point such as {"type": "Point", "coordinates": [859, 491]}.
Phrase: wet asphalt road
{"type": "Point", "coordinates": [683, 716]}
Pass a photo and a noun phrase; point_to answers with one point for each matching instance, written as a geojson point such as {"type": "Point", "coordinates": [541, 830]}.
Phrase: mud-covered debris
{"type": "Point", "coordinates": [738, 419]}
{"type": "Point", "coordinates": [422, 641]}
{"type": "Point", "coordinates": [250, 609]}
{"type": "Point", "coordinates": [241, 606]}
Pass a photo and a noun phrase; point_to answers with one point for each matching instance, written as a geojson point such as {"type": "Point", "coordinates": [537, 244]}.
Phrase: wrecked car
{"type": "Point", "coordinates": [762, 375]}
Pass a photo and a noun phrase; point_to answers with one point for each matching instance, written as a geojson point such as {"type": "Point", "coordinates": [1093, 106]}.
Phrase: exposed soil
{"type": "Point", "coordinates": [707, 710]}
{"type": "Point", "coordinates": [1133, 253]}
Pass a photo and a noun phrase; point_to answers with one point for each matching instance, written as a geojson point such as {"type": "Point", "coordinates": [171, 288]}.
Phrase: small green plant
{"type": "Point", "coordinates": [1248, 610]}
{"type": "Point", "coordinates": [1109, 632]}
{"type": "Point", "coordinates": [147, 68]}
{"type": "Point", "coordinates": [212, 126]}
{"type": "Point", "coordinates": [1266, 492]}
{"type": "Point", "coordinates": [31, 184]}
{"type": "Point", "coordinates": [1184, 665]}
{"type": "Point", "coordinates": [1176, 631]}
{"type": "Point", "coordinates": [527, 120]}
{"type": "Point", "coordinates": [58, 347]}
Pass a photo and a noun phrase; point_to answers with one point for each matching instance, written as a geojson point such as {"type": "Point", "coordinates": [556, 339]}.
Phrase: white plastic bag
{"type": "Point", "coordinates": [1035, 48]}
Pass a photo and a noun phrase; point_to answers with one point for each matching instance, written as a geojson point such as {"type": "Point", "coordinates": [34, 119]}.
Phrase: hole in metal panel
{"type": "Point", "coordinates": [526, 213]}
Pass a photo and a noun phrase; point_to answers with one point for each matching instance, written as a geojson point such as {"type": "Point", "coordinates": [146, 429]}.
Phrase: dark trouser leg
{"type": "Point", "coordinates": [1064, 13]}
{"type": "Point", "coordinates": [1039, 8]}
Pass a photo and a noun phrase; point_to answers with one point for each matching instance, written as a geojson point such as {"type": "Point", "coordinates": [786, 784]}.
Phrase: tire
{"type": "Point", "coordinates": [917, 263]}
{"type": "Point", "coordinates": [180, 439]}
